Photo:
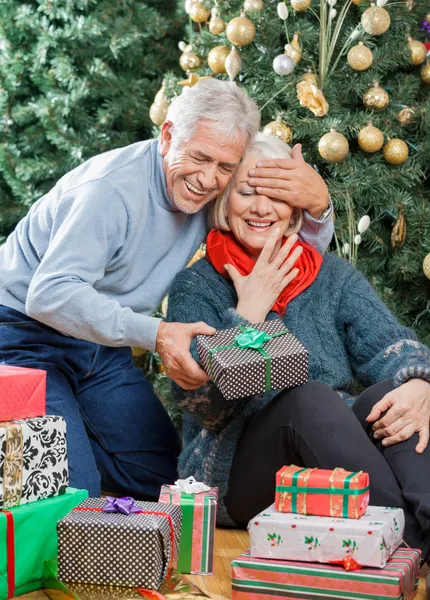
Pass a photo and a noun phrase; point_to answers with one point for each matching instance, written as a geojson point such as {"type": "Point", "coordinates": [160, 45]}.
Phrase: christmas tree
{"type": "Point", "coordinates": [76, 79]}
{"type": "Point", "coordinates": [350, 81]}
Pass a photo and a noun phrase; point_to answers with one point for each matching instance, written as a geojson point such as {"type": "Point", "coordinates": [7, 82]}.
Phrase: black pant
{"type": "Point", "coordinates": [311, 426]}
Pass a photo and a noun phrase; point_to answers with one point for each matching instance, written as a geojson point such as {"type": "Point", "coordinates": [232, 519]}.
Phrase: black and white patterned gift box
{"type": "Point", "coordinates": [134, 550]}
{"type": "Point", "coordinates": [241, 371]}
{"type": "Point", "coordinates": [33, 460]}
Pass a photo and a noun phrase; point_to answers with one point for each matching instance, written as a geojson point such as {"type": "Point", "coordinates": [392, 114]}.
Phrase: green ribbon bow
{"type": "Point", "coordinates": [251, 339]}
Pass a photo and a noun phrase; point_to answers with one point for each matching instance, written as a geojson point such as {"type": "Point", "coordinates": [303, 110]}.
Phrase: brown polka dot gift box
{"type": "Point", "coordinates": [252, 360]}
{"type": "Point", "coordinates": [119, 542]}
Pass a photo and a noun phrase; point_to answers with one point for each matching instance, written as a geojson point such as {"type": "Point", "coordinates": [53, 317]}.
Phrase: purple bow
{"type": "Point", "coordinates": [123, 505]}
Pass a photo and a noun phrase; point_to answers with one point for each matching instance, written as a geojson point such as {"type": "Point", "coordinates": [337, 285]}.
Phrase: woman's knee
{"type": "Point", "coordinates": [367, 399]}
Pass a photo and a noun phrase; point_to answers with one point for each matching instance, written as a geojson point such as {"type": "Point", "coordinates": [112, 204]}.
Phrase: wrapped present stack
{"type": "Point", "coordinates": [33, 480]}
{"type": "Point", "coordinates": [322, 539]}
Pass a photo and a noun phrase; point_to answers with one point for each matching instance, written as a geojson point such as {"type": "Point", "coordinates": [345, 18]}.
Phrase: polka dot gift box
{"type": "Point", "coordinates": [251, 360]}
{"type": "Point", "coordinates": [118, 542]}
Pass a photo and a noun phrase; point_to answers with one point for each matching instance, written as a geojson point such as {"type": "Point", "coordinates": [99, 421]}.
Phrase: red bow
{"type": "Point", "coordinates": [348, 563]}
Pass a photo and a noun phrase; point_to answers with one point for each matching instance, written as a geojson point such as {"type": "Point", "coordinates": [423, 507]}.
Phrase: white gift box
{"type": "Point", "coordinates": [370, 540]}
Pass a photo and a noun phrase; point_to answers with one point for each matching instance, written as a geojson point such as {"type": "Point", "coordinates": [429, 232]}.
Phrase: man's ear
{"type": "Point", "coordinates": [165, 137]}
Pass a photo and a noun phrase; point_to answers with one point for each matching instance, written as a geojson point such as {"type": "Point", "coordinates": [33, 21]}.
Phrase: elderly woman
{"type": "Point", "coordinates": [255, 270]}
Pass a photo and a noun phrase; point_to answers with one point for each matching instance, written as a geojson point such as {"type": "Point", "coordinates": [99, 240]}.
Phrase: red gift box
{"type": "Point", "coordinates": [336, 493]}
{"type": "Point", "coordinates": [22, 393]}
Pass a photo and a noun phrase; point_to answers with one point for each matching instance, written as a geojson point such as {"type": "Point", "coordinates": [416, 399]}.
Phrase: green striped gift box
{"type": "Point", "coordinates": [264, 579]}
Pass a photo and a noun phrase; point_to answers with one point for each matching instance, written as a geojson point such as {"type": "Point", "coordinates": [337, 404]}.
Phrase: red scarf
{"type": "Point", "coordinates": [222, 249]}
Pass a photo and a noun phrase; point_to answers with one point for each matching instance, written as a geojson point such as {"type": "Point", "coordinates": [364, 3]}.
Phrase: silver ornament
{"type": "Point", "coordinates": [283, 65]}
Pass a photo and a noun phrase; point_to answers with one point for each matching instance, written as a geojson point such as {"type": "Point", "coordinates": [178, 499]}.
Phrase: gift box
{"type": "Point", "coordinates": [175, 587]}
{"type": "Point", "coordinates": [28, 537]}
{"type": "Point", "coordinates": [266, 579]}
{"type": "Point", "coordinates": [119, 542]}
{"type": "Point", "coordinates": [22, 393]}
{"type": "Point", "coordinates": [196, 547]}
{"type": "Point", "coordinates": [369, 541]}
{"type": "Point", "coordinates": [336, 493]}
{"type": "Point", "coordinates": [33, 460]}
{"type": "Point", "coordinates": [251, 360]}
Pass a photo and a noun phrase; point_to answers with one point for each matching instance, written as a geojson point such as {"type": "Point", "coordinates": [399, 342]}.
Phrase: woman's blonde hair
{"type": "Point", "coordinates": [263, 146]}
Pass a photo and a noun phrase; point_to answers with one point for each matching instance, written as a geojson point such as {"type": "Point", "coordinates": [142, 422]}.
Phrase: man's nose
{"type": "Point", "coordinates": [207, 176]}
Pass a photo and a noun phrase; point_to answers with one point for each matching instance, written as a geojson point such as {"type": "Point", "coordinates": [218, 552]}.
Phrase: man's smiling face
{"type": "Point", "coordinates": [199, 169]}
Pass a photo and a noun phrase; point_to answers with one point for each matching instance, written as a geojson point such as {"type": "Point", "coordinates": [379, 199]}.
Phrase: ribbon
{"type": "Point", "coordinates": [348, 563]}
{"type": "Point", "coordinates": [10, 549]}
{"type": "Point", "coordinates": [13, 464]}
{"type": "Point", "coordinates": [251, 339]}
{"type": "Point", "coordinates": [140, 512]}
{"type": "Point", "coordinates": [295, 489]}
{"type": "Point", "coordinates": [124, 505]}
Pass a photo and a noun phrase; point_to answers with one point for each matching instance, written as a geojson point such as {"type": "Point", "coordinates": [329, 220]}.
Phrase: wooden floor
{"type": "Point", "coordinates": [228, 545]}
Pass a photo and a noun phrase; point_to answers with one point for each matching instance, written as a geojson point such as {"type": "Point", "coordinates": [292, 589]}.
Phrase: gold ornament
{"type": "Point", "coordinates": [427, 17]}
{"type": "Point", "coordinates": [192, 80]}
{"type": "Point", "coordinates": [233, 64]}
{"type": "Point", "coordinates": [396, 151]}
{"type": "Point", "coordinates": [189, 60]}
{"type": "Point", "coordinates": [216, 58]}
{"type": "Point", "coordinates": [333, 147]}
{"type": "Point", "coordinates": [357, 2]}
{"type": "Point", "coordinates": [406, 116]}
{"type": "Point", "coordinates": [370, 138]}
{"type": "Point", "coordinates": [312, 98]}
{"type": "Point", "coordinates": [241, 31]}
{"type": "Point", "coordinates": [426, 266]}
{"type": "Point", "coordinates": [253, 5]}
{"type": "Point", "coordinates": [425, 73]}
{"type": "Point", "coordinates": [398, 233]}
{"type": "Point", "coordinates": [376, 98]}
{"type": "Point", "coordinates": [418, 51]}
{"type": "Point", "coordinates": [199, 13]}
{"type": "Point", "coordinates": [280, 130]}
{"type": "Point", "coordinates": [375, 20]}
{"type": "Point", "coordinates": [310, 77]}
{"type": "Point", "coordinates": [216, 24]}
{"type": "Point", "coordinates": [158, 110]}
{"type": "Point", "coordinates": [301, 5]}
{"type": "Point", "coordinates": [360, 57]}
{"type": "Point", "coordinates": [294, 50]}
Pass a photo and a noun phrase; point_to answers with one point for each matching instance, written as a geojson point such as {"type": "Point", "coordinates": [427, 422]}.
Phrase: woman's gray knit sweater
{"type": "Point", "coordinates": [346, 328]}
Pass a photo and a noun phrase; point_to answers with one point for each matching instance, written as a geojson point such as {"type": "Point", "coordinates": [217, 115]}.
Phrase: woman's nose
{"type": "Point", "coordinates": [261, 204]}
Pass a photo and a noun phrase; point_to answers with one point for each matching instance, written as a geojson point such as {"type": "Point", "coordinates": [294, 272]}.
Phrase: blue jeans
{"type": "Point", "coordinates": [119, 436]}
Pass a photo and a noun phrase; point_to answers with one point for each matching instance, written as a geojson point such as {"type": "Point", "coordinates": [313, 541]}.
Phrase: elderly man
{"type": "Point", "coordinates": [83, 271]}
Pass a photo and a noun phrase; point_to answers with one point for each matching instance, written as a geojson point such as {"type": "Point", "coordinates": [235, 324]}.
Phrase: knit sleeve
{"type": "Point", "coordinates": [194, 298]}
{"type": "Point", "coordinates": [378, 346]}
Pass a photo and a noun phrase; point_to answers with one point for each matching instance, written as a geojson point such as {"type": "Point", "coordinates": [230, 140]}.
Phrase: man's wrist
{"type": "Point", "coordinates": [321, 216]}
{"type": "Point", "coordinates": [316, 212]}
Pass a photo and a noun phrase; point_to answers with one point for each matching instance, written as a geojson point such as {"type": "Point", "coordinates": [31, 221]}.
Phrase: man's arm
{"type": "Point", "coordinates": [318, 232]}
{"type": "Point", "coordinates": [88, 231]}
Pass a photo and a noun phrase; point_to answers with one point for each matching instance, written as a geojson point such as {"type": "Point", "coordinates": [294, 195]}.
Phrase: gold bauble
{"type": "Point", "coordinates": [427, 17]}
{"type": "Point", "coordinates": [418, 51]}
{"type": "Point", "coordinates": [333, 147]}
{"type": "Point", "coordinates": [426, 266]}
{"type": "Point", "coordinates": [158, 113]}
{"type": "Point", "coordinates": [294, 50]}
{"type": "Point", "coordinates": [280, 130]}
{"type": "Point", "coordinates": [398, 233]}
{"type": "Point", "coordinates": [233, 64]}
{"type": "Point", "coordinates": [370, 138]}
{"type": "Point", "coordinates": [396, 151]}
{"type": "Point", "coordinates": [425, 73]}
{"type": "Point", "coordinates": [189, 61]}
{"type": "Point", "coordinates": [199, 13]}
{"type": "Point", "coordinates": [357, 2]}
{"type": "Point", "coordinates": [406, 116]}
{"type": "Point", "coordinates": [253, 5]}
{"type": "Point", "coordinates": [301, 5]}
{"type": "Point", "coordinates": [310, 77]}
{"type": "Point", "coordinates": [160, 97]}
{"type": "Point", "coordinates": [360, 57]}
{"type": "Point", "coordinates": [216, 24]}
{"type": "Point", "coordinates": [241, 31]}
{"type": "Point", "coordinates": [216, 58]}
{"type": "Point", "coordinates": [192, 80]}
{"type": "Point", "coordinates": [375, 20]}
{"type": "Point", "coordinates": [376, 98]}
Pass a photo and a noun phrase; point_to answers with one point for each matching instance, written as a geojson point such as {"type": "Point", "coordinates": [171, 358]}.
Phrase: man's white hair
{"type": "Point", "coordinates": [262, 146]}
{"type": "Point", "coordinates": [222, 103]}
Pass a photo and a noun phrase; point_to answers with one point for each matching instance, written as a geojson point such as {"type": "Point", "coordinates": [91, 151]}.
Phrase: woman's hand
{"type": "Point", "coordinates": [258, 291]}
{"type": "Point", "coordinates": [408, 412]}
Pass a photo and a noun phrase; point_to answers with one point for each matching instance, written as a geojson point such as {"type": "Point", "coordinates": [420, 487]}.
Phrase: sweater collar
{"type": "Point", "coordinates": [158, 179]}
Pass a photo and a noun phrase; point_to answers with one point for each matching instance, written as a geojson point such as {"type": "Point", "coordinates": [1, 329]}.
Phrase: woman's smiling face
{"type": "Point", "coordinates": [252, 217]}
